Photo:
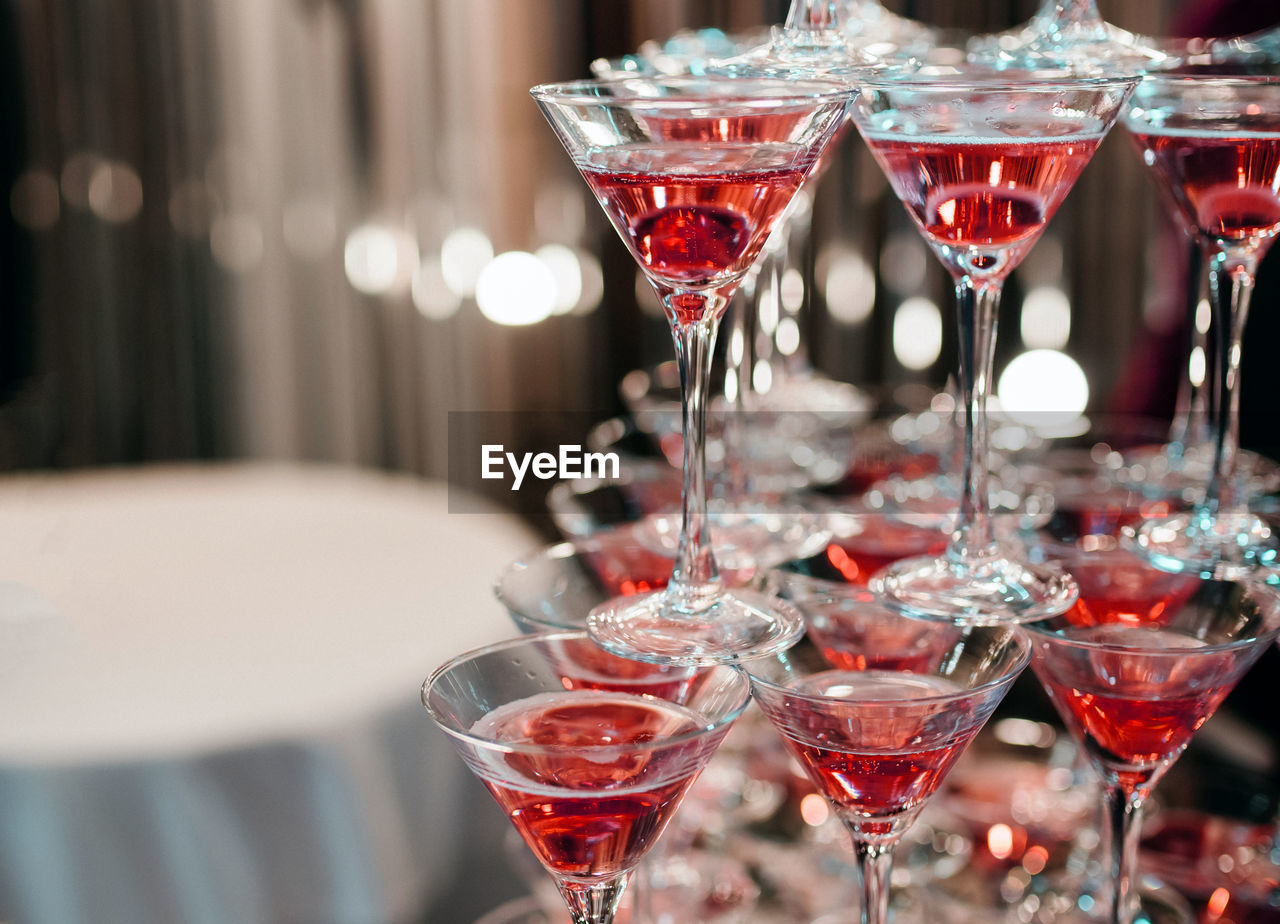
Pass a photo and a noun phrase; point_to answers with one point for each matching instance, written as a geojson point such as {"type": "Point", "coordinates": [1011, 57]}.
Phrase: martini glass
{"type": "Point", "coordinates": [1135, 668]}
{"type": "Point", "coordinates": [877, 742]}
{"type": "Point", "coordinates": [1213, 143]}
{"type": "Point", "coordinates": [555, 588]}
{"type": "Point", "coordinates": [588, 762]}
{"type": "Point", "coordinates": [982, 161]}
{"type": "Point", "coordinates": [694, 173]}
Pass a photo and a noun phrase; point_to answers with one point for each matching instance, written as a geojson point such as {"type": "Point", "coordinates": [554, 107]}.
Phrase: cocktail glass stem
{"type": "Point", "coordinates": [1078, 11]}
{"type": "Point", "coordinates": [977, 302]}
{"type": "Point", "coordinates": [592, 903]}
{"type": "Point", "coordinates": [1124, 825]}
{"type": "Point", "coordinates": [875, 869]}
{"type": "Point", "coordinates": [695, 580]}
{"type": "Point", "coordinates": [1191, 413]}
{"type": "Point", "coordinates": [807, 16]}
{"type": "Point", "coordinates": [1231, 274]}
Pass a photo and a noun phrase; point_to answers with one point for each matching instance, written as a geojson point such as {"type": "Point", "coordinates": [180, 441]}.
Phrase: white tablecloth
{"type": "Point", "coordinates": [209, 692]}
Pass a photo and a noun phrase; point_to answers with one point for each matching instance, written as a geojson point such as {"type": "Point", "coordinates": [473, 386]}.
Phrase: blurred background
{"type": "Point", "coordinates": [312, 230]}
{"type": "Point", "coordinates": [260, 230]}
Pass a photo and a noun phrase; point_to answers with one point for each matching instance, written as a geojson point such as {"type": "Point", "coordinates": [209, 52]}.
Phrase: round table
{"type": "Point", "coordinates": [209, 678]}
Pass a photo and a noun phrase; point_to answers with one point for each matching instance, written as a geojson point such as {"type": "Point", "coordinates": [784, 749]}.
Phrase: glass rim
{"type": "Point", "coordinates": [489, 744]}
{"type": "Point", "coordinates": [583, 91]}
{"type": "Point", "coordinates": [1211, 80]}
{"type": "Point", "coordinates": [556, 551]}
{"type": "Point", "coordinates": [1008, 675]}
{"type": "Point", "coordinates": [1040, 630]}
{"type": "Point", "coordinates": [994, 81]}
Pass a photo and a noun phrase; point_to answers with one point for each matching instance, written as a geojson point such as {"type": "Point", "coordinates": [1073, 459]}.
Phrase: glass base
{"type": "Point", "coordinates": [746, 540]}
{"type": "Point", "coordinates": [1226, 546]}
{"type": "Point", "coordinates": [989, 592]}
{"type": "Point", "coordinates": [739, 626]}
{"type": "Point", "coordinates": [1163, 471]}
{"type": "Point", "coordinates": [933, 501]}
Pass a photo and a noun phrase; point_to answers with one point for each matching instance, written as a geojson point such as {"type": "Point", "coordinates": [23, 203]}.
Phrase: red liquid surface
{"type": "Point", "coordinates": [1226, 183]}
{"type": "Point", "coordinates": [874, 760]}
{"type": "Point", "coordinates": [584, 665]}
{"type": "Point", "coordinates": [696, 215]}
{"type": "Point", "coordinates": [880, 543]}
{"type": "Point", "coordinates": [1133, 711]}
{"type": "Point", "coordinates": [982, 192]}
{"type": "Point", "coordinates": [1120, 589]}
{"type": "Point", "coordinates": [590, 803]}
{"type": "Point", "coordinates": [625, 568]}
{"type": "Point", "coordinates": [852, 642]}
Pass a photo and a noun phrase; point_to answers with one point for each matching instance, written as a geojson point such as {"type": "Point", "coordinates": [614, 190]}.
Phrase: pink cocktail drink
{"type": "Point", "coordinates": [1223, 182]}
{"type": "Point", "coordinates": [855, 631]}
{"type": "Point", "coordinates": [878, 742]}
{"type": "Point", "coordinates": [588, 764]}
{"type": "Point", "coordinates": [898, 755]}
{"type": "Point", "coordinates": [695, 215]}
{"type": "Point", "coordinates": [1135, 712]}
{"type": "Point", "coordinates": [589, 800]}
{"type": "Point", "coordinates": [983, 192]}
{"type": "Point", "coordinates": [1141, 662]}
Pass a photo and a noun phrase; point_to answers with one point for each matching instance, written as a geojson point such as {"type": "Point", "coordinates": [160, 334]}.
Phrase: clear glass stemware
{"type": "Point", "coordinates": [1135, 668]}
{"type": "Point", "coordinates": [982, 161]}
{"type": "Point", "coordinates": [1213, 144]}
{"type": "Point", "coordinates": [589, 754]}
{"type": "Point", "coordinates": [879, 710]}
{"type": "Point", "coordinates": [694, 173]}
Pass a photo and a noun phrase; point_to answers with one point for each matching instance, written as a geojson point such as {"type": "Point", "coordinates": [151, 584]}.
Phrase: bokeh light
{"type": "Point", "coordinates": [567, 272]}
{"type": "Point", "coordinates": [849, 286]}
{"type": "Point", "coordinates": [463, 255]}
{"type": "Point", "coordinates": [904, 263]}
{"type": "Point", "coordinates": [917, 333]}
{"type": "Point", "coordinates": [115, 192]}
{"type": "Point", "coordinates": [431, 294]}
{"type": "Point", "coordinates": [1045, 389]}
{"type": "Point", "coordinates": [1196, 366]}
{"type": "Point", "coordinates": [592, 284]}
{"type": "Point", "coordinates": [516, 288]}
{"type": "Point", "coordinates": [1046, 318]}
{"type": "Point", "coordinates": [33, 200]}
{"type": "Point", "coordinates": [380, 260]}
{"type": "Point", "coordinates": [792, 290]}
{"type": "Point", "coordinates": [788, 337]}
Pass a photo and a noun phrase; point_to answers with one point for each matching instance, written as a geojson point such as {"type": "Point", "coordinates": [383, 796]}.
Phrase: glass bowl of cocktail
{"type": "Point", "coordinates": [877, 711]}
{"type": "Point", "coordinates": [1135, 668]}
{"type": "Point", "coordinates": [694, 173]}
{"type": "Point", "coordinates": [588, 762]}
